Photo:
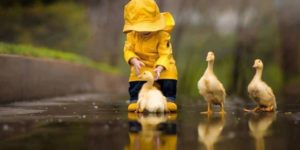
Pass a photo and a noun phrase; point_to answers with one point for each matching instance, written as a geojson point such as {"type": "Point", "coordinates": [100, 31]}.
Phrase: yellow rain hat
{"type": "Point", "coordinates": [144, 16]}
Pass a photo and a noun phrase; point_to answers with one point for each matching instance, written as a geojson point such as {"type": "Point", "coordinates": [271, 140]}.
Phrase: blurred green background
{"type": "Point", "coordinates": [238, 31]}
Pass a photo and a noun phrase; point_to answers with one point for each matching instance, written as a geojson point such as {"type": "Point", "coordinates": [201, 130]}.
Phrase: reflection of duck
{"type": "Point", "coordinates": [210, 87]}
{"type": "Point", "coordinates": [150, 98]}
{"type": "Point", "coordinates": [210, 131]}
{"type": "Point", "coordinates": [260, 92]}
{"type": "Point", "coordinates": [259, 124]}
{"type": "Point", "coordinates": [152, 131]}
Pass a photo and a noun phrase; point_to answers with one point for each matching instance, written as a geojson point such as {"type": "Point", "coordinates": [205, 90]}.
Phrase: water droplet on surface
{"type": "Point", "coordinates": [231, 135]}
{"type": "Point", "coordinates": [5, 127]}
{"type": "Point", "coordinates": [106, 127]}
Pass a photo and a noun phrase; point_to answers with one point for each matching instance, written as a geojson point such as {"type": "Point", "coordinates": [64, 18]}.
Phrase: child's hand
{"type": "Point", "coordinates": [137, 65]}
{"type": "Point", "coordinates": [157, 71]}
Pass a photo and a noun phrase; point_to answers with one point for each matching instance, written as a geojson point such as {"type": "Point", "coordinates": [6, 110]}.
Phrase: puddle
{"type": "Point", "coordinates": [93, 123]}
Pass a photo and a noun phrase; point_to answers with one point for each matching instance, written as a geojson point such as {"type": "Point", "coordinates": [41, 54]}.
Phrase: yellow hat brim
{"type": "Point", "coordinates": [165, 22]}
{"type": "Point", "coordinates": [169, 21]}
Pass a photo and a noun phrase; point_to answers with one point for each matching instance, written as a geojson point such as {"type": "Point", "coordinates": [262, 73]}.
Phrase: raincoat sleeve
{"type": "Point", "coordinates": [164, 50]}
{"type": "Point", "coordinates": [129, 47]}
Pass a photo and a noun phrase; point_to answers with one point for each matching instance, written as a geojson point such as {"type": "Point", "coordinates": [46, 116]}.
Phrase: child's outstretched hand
{"type": "Point", "coordinates": [157, 71]}
{"type": "Point", "coordinates": [137, 65]}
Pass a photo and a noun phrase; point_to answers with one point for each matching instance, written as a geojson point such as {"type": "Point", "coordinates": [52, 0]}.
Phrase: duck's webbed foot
{"type": "Point", "coordinates": [256, 109]}
{"type": "Point", "coordinates": [209, 111]}
{"type": "Point", "coordinates": [267, 109]}
{"type": "Point", "coordinates": [222, 112]}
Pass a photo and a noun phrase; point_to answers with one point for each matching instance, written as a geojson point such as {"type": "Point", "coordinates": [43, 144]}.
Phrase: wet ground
{"type": "Point", "coordinates": [95, 122]}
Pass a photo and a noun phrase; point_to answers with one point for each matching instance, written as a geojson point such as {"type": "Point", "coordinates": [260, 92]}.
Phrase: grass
{"type": "Point", "coordinates": [40, 52]}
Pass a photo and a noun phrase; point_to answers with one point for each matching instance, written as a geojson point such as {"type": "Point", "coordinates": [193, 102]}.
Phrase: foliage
{"type": "Point", "coordinates": [60, 25]}
{"type": "Point", "coordinates": [27, 50]}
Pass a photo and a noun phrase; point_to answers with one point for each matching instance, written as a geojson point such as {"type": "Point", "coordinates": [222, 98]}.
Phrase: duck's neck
{"type": "Point", "coordinates": [149, 84]}
{"type": "Point", "coordinates": [210, 67]}
{"type": "Point", "coordinates": [258, 74]}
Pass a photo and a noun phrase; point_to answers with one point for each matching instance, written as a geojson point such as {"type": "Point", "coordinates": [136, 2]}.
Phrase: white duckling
{"type": "Point", "coordinates": [209, 133]}
{"type": "Point", "coordinates": [260, 92]}
{"type": "Point", "coordinates": [210, 87]}
{"type": "Point", "coordinates": [150, 98]}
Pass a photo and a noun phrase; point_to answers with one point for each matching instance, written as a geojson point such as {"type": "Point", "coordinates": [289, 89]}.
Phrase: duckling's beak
{"type": "Point", "coordinates": [254, 66]}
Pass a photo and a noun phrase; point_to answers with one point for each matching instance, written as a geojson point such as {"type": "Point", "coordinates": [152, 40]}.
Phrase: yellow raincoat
{"type": "Point", "coordinates": [153, 50]}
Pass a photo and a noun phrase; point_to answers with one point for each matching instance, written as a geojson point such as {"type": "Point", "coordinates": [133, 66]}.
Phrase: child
{"type": "Point", "coordinates": [148, 47]}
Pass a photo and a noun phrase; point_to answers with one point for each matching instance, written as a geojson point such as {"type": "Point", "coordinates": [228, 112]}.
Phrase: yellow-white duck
{"type": "Point", "coordinates": [210, 87]}
{"type": "Point", "coordinates": [260, 92]}
{"type": "Point", "coordinates": [150, 98]}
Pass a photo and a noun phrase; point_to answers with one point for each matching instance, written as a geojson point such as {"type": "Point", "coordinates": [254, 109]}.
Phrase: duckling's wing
{"type": "Point", "coordinates": [220, 90]}
{"type": "Point", "coordinates": [268, 90]}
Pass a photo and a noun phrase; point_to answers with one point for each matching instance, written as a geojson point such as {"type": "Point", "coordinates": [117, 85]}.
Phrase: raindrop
{"type": "Point", "coordinates": [60, 120]}
{"type": "Point", "coordinates": [96, 107]}
{"type": "Point", "coordinates": [94, 103]}
{"type": "Point", "coordinates": [65, 108]}
{"type": "Point", "coordinates": [83, 116]}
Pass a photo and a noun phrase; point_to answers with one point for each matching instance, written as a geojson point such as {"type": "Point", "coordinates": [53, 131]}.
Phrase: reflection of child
{"type": "Point", "coordinates": [148, 47]}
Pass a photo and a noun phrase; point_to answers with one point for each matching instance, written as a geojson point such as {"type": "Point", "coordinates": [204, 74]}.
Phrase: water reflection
{"type": "Point", "coordinates": [210, 130]}
{"type": "Point", "coordinates": [258, 125]}
{"type": "Point", "coordinates": [152, 131]}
